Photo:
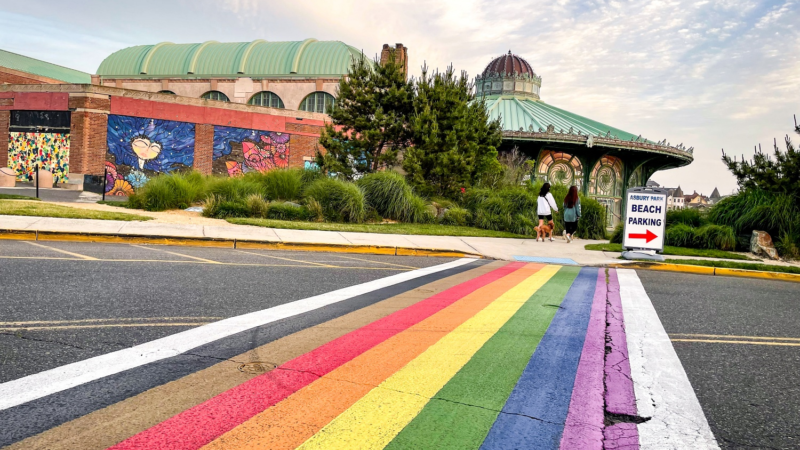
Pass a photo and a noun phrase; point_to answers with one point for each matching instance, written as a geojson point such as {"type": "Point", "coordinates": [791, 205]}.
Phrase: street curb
{"type": "Point", "coordinates": [715, 271]}
{"type": "Point", "coordinates": [35, 235]}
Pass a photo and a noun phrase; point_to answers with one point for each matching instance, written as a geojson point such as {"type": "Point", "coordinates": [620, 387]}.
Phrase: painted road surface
{"type": "Point", "coordinates": [460, 354]}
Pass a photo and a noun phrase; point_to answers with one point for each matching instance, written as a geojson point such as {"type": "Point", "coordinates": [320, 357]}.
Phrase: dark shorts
{"type": "Point", "coordinates": [548, 217]}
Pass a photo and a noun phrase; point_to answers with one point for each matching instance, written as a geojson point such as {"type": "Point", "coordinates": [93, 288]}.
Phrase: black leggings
{"type": "Point", "coordinates": [571, 227]}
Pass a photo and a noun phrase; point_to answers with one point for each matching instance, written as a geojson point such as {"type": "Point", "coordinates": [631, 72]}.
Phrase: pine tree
{"type": "Point", "coordinates": [781, 175]}
{"type": "Point", "coordinates": [455, 144]}
{"type": "Point", "coordinates": [370, 119]}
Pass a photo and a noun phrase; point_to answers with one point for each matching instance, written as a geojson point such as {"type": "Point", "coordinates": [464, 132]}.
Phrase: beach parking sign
{"type": "Point", "coordinates": [645, 219]}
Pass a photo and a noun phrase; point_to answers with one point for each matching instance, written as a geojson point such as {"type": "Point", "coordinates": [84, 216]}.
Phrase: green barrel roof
{"type": "Point", "coordinates": [43, 69]}
{"type": "Point", "coordinates": [524, 114]}
{"type": "Point", "coordinates": [235, 59]}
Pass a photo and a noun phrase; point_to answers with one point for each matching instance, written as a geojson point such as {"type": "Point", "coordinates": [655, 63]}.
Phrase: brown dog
{"type": "Point", "coordinates": [545, 230]}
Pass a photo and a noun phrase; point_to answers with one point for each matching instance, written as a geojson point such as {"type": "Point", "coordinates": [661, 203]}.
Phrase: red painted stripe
{"type": "Point", "coordinates": [200, 425]}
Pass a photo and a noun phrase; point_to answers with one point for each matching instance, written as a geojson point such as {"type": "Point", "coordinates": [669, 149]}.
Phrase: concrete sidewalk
{"type": "Point", "coordinates": [494, 248]}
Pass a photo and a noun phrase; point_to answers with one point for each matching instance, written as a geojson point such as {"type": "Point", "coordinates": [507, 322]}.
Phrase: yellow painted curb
{"type": "Point", "coordinates": [228, 243]}
{"type": "Point", "coordinates": [704, 270]}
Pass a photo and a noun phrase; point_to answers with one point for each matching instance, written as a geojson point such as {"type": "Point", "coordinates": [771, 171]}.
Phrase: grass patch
{"type": "Point", "coordinates": [21, 208]}
{"type": "Point", "coordinates": [394, 228]}
{"type": "Point", "coordinates": [676, 251]}
{"type": "Point", "coordinates": [17, 197]}
{"type": "Point", "coordinates": [736, 265]}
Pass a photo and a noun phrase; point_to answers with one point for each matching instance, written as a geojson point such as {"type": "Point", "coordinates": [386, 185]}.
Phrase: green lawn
{"type": "Point", "coordinates": [736, 265]}
{"type": "Point", "coordinates": [675, 251]}
{"type": "Point", "coordinates": [394, 228]}
{"type": "Point", "coordinates": [17, 197]}
{"type": "Point", "coordinates": [28, 208]}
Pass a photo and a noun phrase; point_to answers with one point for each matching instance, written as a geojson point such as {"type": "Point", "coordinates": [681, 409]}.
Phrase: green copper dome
{"type": "Point", "coordinates": [309, 58]}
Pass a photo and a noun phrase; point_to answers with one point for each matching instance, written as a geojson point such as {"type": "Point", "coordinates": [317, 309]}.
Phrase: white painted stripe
{"type": "Point", "coordinates": [32, 387]}
{"type": "Point", "coordinates": [663, 391]}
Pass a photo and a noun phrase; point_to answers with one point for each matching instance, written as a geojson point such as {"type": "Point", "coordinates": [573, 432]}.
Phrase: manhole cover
{"type": "Point", "coordinates": [256, 367]}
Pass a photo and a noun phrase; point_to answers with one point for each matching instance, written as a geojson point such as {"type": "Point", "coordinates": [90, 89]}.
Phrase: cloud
{"type": "Point", "coordinates": [711, 74]}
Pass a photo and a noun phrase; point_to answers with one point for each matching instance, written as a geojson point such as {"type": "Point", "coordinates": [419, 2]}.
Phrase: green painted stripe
{"type": "Point", "coordinates": [463, 411]}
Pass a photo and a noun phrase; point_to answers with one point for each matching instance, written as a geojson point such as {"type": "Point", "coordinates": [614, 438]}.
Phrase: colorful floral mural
{"type": "Point", "coordinates": [26, 151]}
{"type": "Point", "coordinates": [238, 151]}
{"type": "Point", "coordinates": [139, 148]}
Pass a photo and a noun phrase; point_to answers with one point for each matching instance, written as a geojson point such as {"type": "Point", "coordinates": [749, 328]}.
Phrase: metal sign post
{"type": "Point", "coordinates": [645, 223]}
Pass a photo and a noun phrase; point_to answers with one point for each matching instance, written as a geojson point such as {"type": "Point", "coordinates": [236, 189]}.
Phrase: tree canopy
{"type": "Point", "coordinates": [370, 121]}
{"type": "Point", "coordinates": [779, 175]}
{"type": "Point", "coordinates": [455, 144]}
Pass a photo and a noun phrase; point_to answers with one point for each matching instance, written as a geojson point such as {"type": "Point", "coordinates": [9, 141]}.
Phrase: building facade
{"type": "Point", "coordinates": [570, 149]}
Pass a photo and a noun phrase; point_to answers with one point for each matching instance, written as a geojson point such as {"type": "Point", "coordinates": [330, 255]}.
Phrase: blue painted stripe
{"type": "Point", "coordinates": [535, 412]}
{"type": "Point", "coordinates": [546, 260]}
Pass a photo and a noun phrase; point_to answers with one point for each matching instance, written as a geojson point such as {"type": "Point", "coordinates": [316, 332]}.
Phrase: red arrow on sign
{"type": "Point", "coordinates": [647, 236]}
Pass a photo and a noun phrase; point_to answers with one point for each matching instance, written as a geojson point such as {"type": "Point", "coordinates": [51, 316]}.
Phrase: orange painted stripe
{"type": "Point", "coordinates": [291, 422]}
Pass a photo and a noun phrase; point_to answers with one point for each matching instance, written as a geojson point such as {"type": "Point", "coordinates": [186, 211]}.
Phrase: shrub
{"type": "Point", "coordinates": [234, 188]}
{"type": "Point", "coordinates": [392, 197]}
{"type": "Point", "coordinates": [456, 216]}
{"type": "Point", "coordinates": [592, 224]}
{"type": "Point", "coordinates": [287, 211]}
{"type": "Point", "coordinates": [340, 201]}
{"type": "Point", "coordinates": [220, 208]}
{"type": "Point", "coordinates": [688, 216]}
{"type": "Point", "coordinates": [616, 236]}
{"type": "Point", "coordinates": [257, 206]}
{"type": "Point", "coordinates": [522, 224]}
{"type": "Point", "coordinates": [170, 191]}
{"type": "Point", "coordinates": [281, 184]}
{"type": "Point", "coordinates": [718, 237]}
{"type": "Point", "coordinates": [314, 209]}
{"type": "Point", "coordinates": [680, 235]}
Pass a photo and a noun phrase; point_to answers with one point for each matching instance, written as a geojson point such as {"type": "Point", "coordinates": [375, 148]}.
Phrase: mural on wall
{"type": "Point", "coordinates": [139, 148]}
{"type": "Point", "coordinates": [27, 150]}
{"type": "Point", "coordinates": [238, 151]}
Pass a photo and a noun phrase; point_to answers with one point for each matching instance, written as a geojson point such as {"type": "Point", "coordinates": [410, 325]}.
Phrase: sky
{"type": "Point", "coordinates": [709, 74]}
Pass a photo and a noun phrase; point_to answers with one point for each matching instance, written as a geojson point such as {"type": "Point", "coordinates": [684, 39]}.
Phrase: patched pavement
{"type": "Point", "coordinates": [189, 348]}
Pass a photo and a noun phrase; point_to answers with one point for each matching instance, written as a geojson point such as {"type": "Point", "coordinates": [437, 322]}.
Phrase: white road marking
{"type": "Point", "coordinates": [663, 391]}
{"type": "Point", "coordinates": [32, 387]}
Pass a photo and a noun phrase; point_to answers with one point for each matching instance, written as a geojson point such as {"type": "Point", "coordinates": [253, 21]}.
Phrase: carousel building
{"type": "Point", "coordinates": [601, 160]}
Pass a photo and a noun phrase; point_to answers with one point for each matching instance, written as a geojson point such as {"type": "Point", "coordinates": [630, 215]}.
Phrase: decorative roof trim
{"type": "Point", "coordinates": [196, 55]}
{"type": "Point", "coordinates": [299, 52]}
{"type": "Point", "coordinates": [149, 56]}
{"type": "Point", "coordinates": [246, 54]}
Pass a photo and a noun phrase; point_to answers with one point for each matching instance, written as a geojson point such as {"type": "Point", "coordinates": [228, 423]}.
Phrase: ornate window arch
{"type": "Point", "coordinates": [215, 95]}
{"type": "Point", "coordinates": [166, 92]}
{"type": "Point", "coordinates": [605, 185]}
{"type": "Point", "coordinates": [319, 102]}
{"type": "Point", "coordinates": [560, 168]}
{"type": "Point", "coordinates": [266, 98]}
{"type": "Point", "coordinates": [637, 178]}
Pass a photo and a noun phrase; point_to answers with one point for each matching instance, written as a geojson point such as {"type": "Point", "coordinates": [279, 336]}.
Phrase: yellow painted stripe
{"type": "Point", "coordinates": [77, 255]}
{"type": "Point", "coordinates": [373, 421]}
{"type": "Point", "coordinates": [105, 325]}
{"type": "Point", "coordinates": [111, 319]}
{"type": "Point", "coordinates": [720, 341]}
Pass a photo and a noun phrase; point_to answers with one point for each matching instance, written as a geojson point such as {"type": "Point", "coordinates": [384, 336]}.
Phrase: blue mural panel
{"type": "Point", "coordinates": [239, 150]}
{"type": "Point", "coordinates": [139, 148]}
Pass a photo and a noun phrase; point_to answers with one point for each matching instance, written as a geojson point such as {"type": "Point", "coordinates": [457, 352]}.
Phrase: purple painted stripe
{"type": "Point", "coordinates": [621, 436]}
{"type": "Point", "coordinates": [620, 397]}
{"type": "Point", "coordinates": [584, 425]}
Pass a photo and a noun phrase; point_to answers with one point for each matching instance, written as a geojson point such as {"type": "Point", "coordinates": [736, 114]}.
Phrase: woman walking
{"type": "Point", "coordinates": [543, 209]}
{"type": "Point", "coordinates": [572, 212]}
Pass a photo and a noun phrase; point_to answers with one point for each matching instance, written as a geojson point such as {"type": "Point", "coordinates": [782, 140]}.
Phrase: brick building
{"type": "Point", "coordinates": [221, 108]}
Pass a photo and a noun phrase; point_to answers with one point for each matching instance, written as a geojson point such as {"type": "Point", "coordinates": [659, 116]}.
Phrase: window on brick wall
{"type": "Point", "coordinates": [319, 102]}
{"type": "Point", "coordinates": [266, 98]}
{"type": "Point", "coordinates": [215, 95]}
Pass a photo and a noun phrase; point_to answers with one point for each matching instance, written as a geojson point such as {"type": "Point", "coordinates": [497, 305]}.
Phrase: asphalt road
{"type": "Point", "coordinates": [65, 301]}
{"type": "Point", "coordinates": [749, 388]}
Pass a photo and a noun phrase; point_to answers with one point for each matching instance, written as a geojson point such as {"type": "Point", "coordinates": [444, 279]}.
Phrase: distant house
{"type": "Point", "coordinates": [675, 199]}
{"type": "Point", "coordinates": [715, 197]}
{"type": "Point", "coordinates": [697, 201]}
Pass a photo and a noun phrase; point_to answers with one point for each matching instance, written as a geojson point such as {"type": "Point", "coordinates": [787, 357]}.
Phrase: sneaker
{"type": "Point", "coordinates": [564, 234]}
{"type": "Point", "coordinates": [569, 239]}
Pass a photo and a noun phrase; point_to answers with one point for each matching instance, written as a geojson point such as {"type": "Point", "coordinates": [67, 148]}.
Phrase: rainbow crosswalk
{"type": "Point", "coordinates": [485, 356]}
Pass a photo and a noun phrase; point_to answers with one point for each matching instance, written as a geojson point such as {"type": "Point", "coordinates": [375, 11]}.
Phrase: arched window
{"type": "Point", "coordinates": [266, 98]}
{"type": "Point", "coordinates": [605, 185]}
{"type": "Point", "coordinates": [319, 102]}
{"type": "Point", "coordinates": [560, 168]}
{"type": "Point", "coordinates": [215, 95]}
{"type": "Point", "coordinates": [166, 92]}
